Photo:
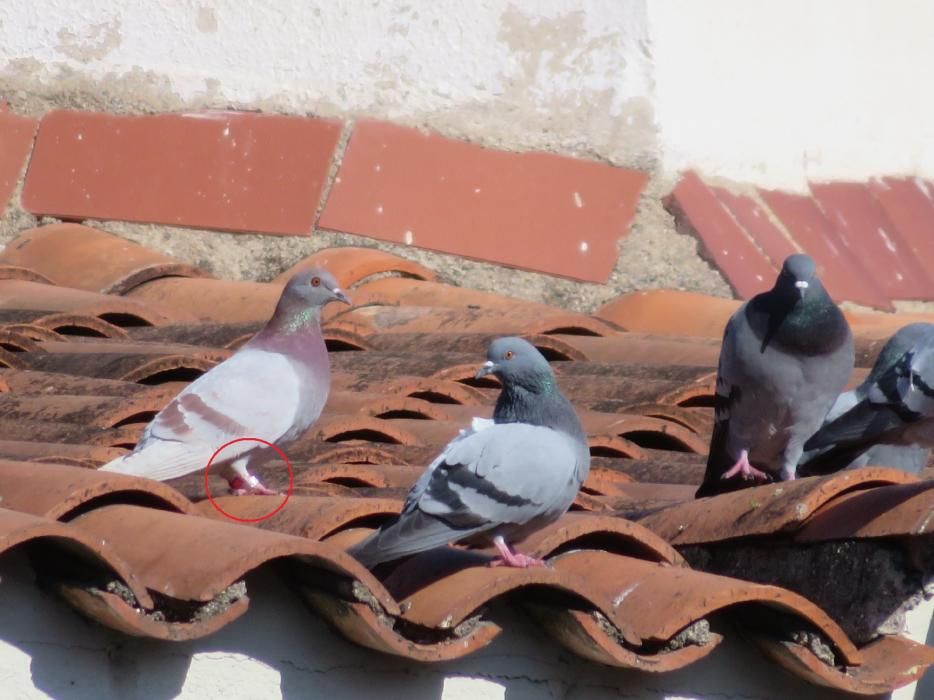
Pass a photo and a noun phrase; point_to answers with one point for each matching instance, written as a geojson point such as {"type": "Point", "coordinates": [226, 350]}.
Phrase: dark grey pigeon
{"type": "Point", "coordinates": [273, 388]}
{"type": "Point", "coordinates": [887, 420]}
{"type": "Point", "coordinates": [501, 479]}
{"type": "Point", "coordinates": [786, 355]}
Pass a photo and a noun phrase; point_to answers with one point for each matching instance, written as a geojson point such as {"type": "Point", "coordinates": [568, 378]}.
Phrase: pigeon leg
{"type": "Point", "coordinates": [744, 468]}
{"type": "Point", "coordinates": [244, 483]}
{"type": "Point", "coordinates": [510, 558]}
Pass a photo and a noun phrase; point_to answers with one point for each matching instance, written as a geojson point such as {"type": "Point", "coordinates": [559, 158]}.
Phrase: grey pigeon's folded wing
{"type": "Point", "coordinates": [863, 424]}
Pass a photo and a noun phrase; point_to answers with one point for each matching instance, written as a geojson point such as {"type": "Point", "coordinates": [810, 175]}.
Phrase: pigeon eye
{"type": "Point", "coordinates": [508, 355]}
{"type": "Point", "coordinates": [315, 281]}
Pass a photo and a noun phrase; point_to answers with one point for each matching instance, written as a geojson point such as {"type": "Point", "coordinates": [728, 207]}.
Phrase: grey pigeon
{"type": "Point", "coordinates": [888, 419]}
{"type": "Point", "coordinates": [273, 388]}
{"type": "Point", "coordinates": [500, 480]}
{"type": "Point", "coordinates": [786, 355]}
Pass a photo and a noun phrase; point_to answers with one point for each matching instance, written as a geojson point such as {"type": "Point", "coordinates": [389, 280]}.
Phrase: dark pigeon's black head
{"type": "Point", "coordinates": [518, 363]}
{"type": "Point", "coordinates": [312, 287]}
{"type": "Point", "coordinates": [797, 278]}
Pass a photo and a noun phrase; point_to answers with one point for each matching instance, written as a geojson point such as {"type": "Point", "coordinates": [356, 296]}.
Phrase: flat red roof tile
{"type": "Point", "coordinates": [16, 135]}
{"type": "Point", "coordinates": [908, 205]}
{"type": "Point", "coordinates": [754, 218]}
{"type": "Point", "coordinates": [864, 228]}
{"type": "Point", "coordinates": [536, 211]}
{"type": "Point", "coordinates": [235, 171]}
{"type": "Point", "coordinates": [840, 268]}
{"type": "Point", "coordinates": [696, 207]}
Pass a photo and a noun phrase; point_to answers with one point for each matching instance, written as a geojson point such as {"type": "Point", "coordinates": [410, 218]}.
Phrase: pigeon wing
{"type": "Point", "coordinates": [255, 393]}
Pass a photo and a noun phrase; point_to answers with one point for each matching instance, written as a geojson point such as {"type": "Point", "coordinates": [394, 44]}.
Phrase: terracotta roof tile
{"type": "Point", "coordinates": [355, 265]}
{"type": "Point", "coordinates": [644, 396]}
{"type": "Point", "coordinates": [85, 258]}
{"type": "Point", "coordinates": [15, 272]}
{"type": "Point", "coordinates": [218, 301]}
{"type": "Point", "coordinates": [16, 136]}
{"type": "Point", "coordinates": [58, 492]}
{"type": "Point", "coordinates": [660, 312]}
{"type": "Point", "coordinates": [763, 509]}
{"type": "Point", "coordinates": [400, 185]}
{"type": "Point", "coordinates": [237, 171]}
{"type": "Point", "coordinates": [24, 300]}
{"type": "Point", "coordinates": [897, 510]}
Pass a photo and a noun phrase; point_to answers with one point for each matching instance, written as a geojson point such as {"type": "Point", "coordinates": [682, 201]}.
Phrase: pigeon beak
{"type": "Point", "coordinates": [802, 286]}
{"type": "Point", "coordinates": [487, 368]}
{"type": "Point", "coordinates": [340, 296]}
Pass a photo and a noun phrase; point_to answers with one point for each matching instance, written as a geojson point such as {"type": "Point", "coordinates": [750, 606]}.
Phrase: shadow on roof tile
{"type": "Point", "coordinates": [698, 211]}
{"type": "Point", "coordinates": [15, 272]}
{"type": "Point", "coordinates": [17, 528]}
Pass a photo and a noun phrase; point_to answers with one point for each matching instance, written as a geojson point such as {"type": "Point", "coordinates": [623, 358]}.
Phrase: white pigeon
{"type": "Point", "coordinates": [273, 388]}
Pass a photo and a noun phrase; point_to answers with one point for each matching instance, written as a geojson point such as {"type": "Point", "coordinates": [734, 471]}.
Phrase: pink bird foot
{"type": "Point", "coordinates": [744, 469]}
{"type": "Point", "coordinates": [515, 559]}
{"type": "Point", "coordinates": [252, 487]}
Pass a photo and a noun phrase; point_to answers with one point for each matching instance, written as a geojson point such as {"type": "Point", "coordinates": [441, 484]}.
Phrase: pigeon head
{"type": "Point", "coordinates": [312, 287]}
{"type": "Point", "coordinates": [518, 363]}
{"type": "Point", "coordinates": [304, 295]}
{"type": "Point", "coordinates": [798, 276]}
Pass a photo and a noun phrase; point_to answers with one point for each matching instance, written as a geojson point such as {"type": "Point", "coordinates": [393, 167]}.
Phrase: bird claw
{"type": "Point", "coordinates": [253, 487]}
{"type": "Point", "coordinates": [519, 561]}
{"type": "Point", "coordinates": [514, 559]}
{"type": "Point", "coordinates": [744, 469]}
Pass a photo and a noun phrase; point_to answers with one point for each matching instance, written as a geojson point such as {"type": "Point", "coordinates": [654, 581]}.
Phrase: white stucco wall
{"type": "Point", "coordinates": [279, 649]}
{"type": "Point", "coordinates": [771, 92]}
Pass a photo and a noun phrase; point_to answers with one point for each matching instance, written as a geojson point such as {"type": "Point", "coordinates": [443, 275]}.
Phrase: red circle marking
{"type": "Point", "coordinates": [207, 472]}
